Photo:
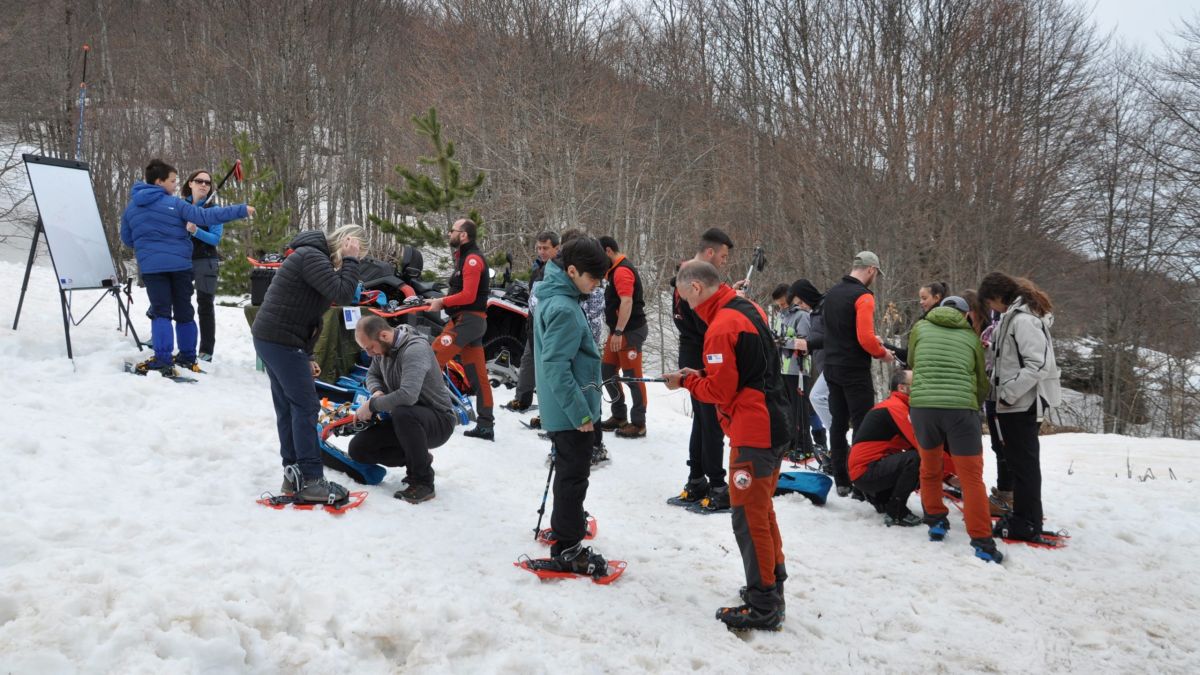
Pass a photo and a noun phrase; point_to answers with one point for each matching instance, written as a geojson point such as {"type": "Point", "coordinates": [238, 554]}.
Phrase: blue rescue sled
{"type": "Point", "coordinates": [813, 485]}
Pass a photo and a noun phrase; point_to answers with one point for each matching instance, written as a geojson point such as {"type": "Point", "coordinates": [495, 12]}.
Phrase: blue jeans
{"type": "Point", "coordinates": [170, 295]}
{"type": "Point", "coordinates": [295, 398]}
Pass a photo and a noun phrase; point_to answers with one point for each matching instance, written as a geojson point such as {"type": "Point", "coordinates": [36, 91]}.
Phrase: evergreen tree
{"type": "Point", "coordinates": [269, 230]}
{"type": "Point", "coordinates": [424, 195]}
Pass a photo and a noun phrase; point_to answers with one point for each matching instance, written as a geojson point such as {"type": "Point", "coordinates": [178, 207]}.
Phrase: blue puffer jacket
{"type": "Point", "coordinates": [154, 225]}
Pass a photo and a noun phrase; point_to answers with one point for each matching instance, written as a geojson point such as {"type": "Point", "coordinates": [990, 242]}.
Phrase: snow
{"type": "Point", "coordinates": [130, 542]}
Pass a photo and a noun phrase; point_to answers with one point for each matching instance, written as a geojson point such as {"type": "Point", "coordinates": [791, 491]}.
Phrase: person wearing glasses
{"type": "Point", "coordinates": [467, 307]}
{"type": "Point", "coordinates": [206, 260]}
{"type": "Point", "coordinates": [155, 226]}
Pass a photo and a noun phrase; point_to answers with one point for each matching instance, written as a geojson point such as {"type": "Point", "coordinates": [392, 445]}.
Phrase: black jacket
{"type": "Point", "coordinates": [302, 290]}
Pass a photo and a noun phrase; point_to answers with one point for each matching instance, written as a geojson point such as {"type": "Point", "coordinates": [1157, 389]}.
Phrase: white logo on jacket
{"type": "Point", "coordinates": [742, 479]}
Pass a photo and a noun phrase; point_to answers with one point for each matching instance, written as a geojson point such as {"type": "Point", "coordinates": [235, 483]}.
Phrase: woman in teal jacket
{"type": "Point", "coordinates": [949, 386]}
{"type": "Point", "coordinates": [568, 388]}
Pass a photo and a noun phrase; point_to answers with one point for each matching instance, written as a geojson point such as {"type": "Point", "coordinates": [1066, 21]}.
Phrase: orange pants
{"type": "Point", "coordinates": [970, 474]}
{"type": "Point", "coordinates": [629, 361]}
{"type": "Point", "coordinates": [464, 335]}
{"type": "Point", "coordinates": [753, 474]}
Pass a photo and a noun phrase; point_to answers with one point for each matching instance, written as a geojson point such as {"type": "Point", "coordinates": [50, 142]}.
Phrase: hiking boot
{"type": "Point", "coordinates": [578, 559]}
{"type": "Point", "coordinates": [908, 520]}
{"type": "Point", "coordinates": [415, 493]}
{"type": "Point", "coordinates": [1009, 527]}
{"type": "Point", "coordinates": [480, 431]}
{"type": "Point", "coordinates": [694, 490]}
{"type": "Point", "coordinates": [322, 491]}
{"type": "Point", "coordinates": [612, 423]}
{"type": "Point", "coordinates": [632, 431]}
{"type": "Point", "coordinates": [985, 549]}
{"type": "Point", "coordinates": [152, 365]}
{"type": "Point", "coordinates": [292, 479]}
{"type": "Point", "coordinates": [748, 617]}
{"type": "Point", "coordinates": [744, 594]}
{"type": "Point", "coordinates": [187, 365]}
{"type": "Point", "coordinates": [207, 358]}
{"type": "Point", "coordinates": [516, 405]}
{"type": "Point", "coordinates": [1000, 503]}
{"type": "Point", "coordinates": [717, 499]}
{"type": "Point", "coordinates": [599, 454]}
{"type": "Point", "coordinates": [939, 525]}
{"type": "Point", "coordinates": [535, 423]}
{"type": "Point", "coordinates": [844, 490]}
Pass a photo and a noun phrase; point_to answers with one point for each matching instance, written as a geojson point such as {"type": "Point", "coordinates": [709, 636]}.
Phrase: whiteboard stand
{"type": "Point", "coordinates": [114, 290]}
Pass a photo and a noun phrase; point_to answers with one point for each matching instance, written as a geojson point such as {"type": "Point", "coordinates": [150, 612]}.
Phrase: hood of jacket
{"type": "Point", "coordinates": [1019, 305]}
{"type": "Point", "coordinates": [313, 238]}
{"type": "Point", "coordinates": [947, 317]}
{"type": "Point", "coordinates": [145, 194]}
{"type": "Point", "coordinates": [405, 336]}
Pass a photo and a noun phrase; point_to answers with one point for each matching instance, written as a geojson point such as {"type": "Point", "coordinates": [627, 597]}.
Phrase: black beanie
{"type": "Point", "coordinates": [803, 289]}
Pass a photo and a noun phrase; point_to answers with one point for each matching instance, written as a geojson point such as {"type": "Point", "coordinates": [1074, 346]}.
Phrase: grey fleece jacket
{"type": "Point", "coordinates": [408, 374]}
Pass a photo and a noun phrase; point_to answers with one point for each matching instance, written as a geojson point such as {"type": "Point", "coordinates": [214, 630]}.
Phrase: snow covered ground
{"type": "Point", "coordinates": [130, 543]}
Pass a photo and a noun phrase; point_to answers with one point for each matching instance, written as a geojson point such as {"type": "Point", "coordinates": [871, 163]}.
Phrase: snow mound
{"type": "Point", "coordinates": [131, 542]}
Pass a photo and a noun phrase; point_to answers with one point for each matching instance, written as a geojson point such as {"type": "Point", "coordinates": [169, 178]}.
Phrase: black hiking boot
{"type": "Point", "coordinates": [152, 365]}
{"type": "Point", "coordinates": [907, 520]}
{"type": "Point", "coordinates": [717, 500]}
{"type": "Point", "coordinates": [480, 431]}
{"type": "Point", "coordinates": [599, 454]}
{"type": "Point", "coordinates": [694, 490]}
{"type": "Point", "coordinates": [416, 493]}
{"type": "Point", "coordinates": [578, 559]}
{"type": "Point", "coordinates": [748, 617]}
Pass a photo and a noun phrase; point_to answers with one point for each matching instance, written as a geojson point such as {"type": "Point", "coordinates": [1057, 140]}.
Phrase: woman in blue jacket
{"type": "Point", "coordinates": [206, 260]}
{"type": "Point", "coordinates": [155, 226]}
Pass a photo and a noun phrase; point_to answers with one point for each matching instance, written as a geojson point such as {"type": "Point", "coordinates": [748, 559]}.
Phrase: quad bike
{"type": "Point", "coordinates": [507, 326]}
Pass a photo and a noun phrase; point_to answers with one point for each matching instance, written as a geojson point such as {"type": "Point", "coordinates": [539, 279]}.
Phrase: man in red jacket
{"type": "Point", "coordinates": [741, 377]}
{"type": "Point", "coordinates": [467, 307]}
{"type": "Point", "coordinates": [884, 462]}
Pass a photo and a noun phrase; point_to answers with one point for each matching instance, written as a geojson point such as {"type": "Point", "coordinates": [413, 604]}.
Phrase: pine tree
{"type": "Point", "coordinates": [267, 232]}
{"type": "Point", "coordinates": [424, 195]}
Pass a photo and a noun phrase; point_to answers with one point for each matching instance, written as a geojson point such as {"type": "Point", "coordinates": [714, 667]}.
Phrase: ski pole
{"type": "Point", "coordinates": [542, 508]}
{"type": "Point", "coordinates": [82, 105]}
{"type": "Point", "coordinates": [236, 168]}
{"type": "Point", "coordinates": [640, 379]}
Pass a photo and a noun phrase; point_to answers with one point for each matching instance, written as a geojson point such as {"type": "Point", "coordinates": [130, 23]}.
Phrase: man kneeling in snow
{"type": "Point", "coordinates": [884, 462]}
{"type": "Point", "coordinates": [406, 383]}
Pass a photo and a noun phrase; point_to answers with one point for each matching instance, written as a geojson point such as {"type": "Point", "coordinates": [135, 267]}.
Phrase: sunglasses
{"type": "Point", "coordinates": [200, 181]}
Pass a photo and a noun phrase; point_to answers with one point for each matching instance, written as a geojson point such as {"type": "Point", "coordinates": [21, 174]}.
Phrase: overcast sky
{"type": "Point", "coordinates": [1142, 23]}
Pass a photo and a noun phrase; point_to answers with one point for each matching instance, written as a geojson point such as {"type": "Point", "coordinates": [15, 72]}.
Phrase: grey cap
{"type": "Point", "coordinates": [867, 259]}
{"type": "Point", "coordinates": [956, 302]}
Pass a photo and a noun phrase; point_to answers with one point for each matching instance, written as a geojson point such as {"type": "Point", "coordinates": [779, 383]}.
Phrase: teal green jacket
{"type": "Point", "coordinates": [946, 358]}
{"type": "Point", "coordinates": [567, 360]}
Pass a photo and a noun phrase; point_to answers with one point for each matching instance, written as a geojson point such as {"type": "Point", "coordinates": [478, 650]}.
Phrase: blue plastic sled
{"type": "Point", "coordinates": [367, 474]}
{"type": "Point", "coordinates": [813, 485]}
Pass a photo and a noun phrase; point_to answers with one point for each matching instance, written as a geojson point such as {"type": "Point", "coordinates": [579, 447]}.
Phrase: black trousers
{"type": "Point", "coordinates": [572, 467]}
{"type": "Point", "coordinates": [1022, 453]}
{"type": "Point", "coordinates": [405, 440]}
{"type": "Point", "coordinates": [1003, 478]}
{"type": "Point", "coordinates": [889, 481]}
{"type": "Point", "coordinates": [851, 395]}
{"type": "Point", "coordinates": [706, 448]}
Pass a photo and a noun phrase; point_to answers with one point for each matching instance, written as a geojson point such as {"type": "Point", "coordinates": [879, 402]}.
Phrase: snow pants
{"type": "Point", "coordinates": [706, 447]}
{"type": "Point", "coordinates": [572, 468]}
{"type": "Point", "coordinates": [295, 399]}
{"type": "Point", "coordinates": [629, 362]}
{"type": "Point", "coordinates": [464, 335]}
{"type": "Point", "coordinates": [170, 295]}
{"type": "Point", "coordinates": [405, 440]}
{"type": "Point", "coordinates": [753, 474]}
{"type": "Point", "coordinates": [1022, 453]}
{"type": "Point", "coordinates": [956, 432]}
{"type": "Point", "coordinates": [851, 395]}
